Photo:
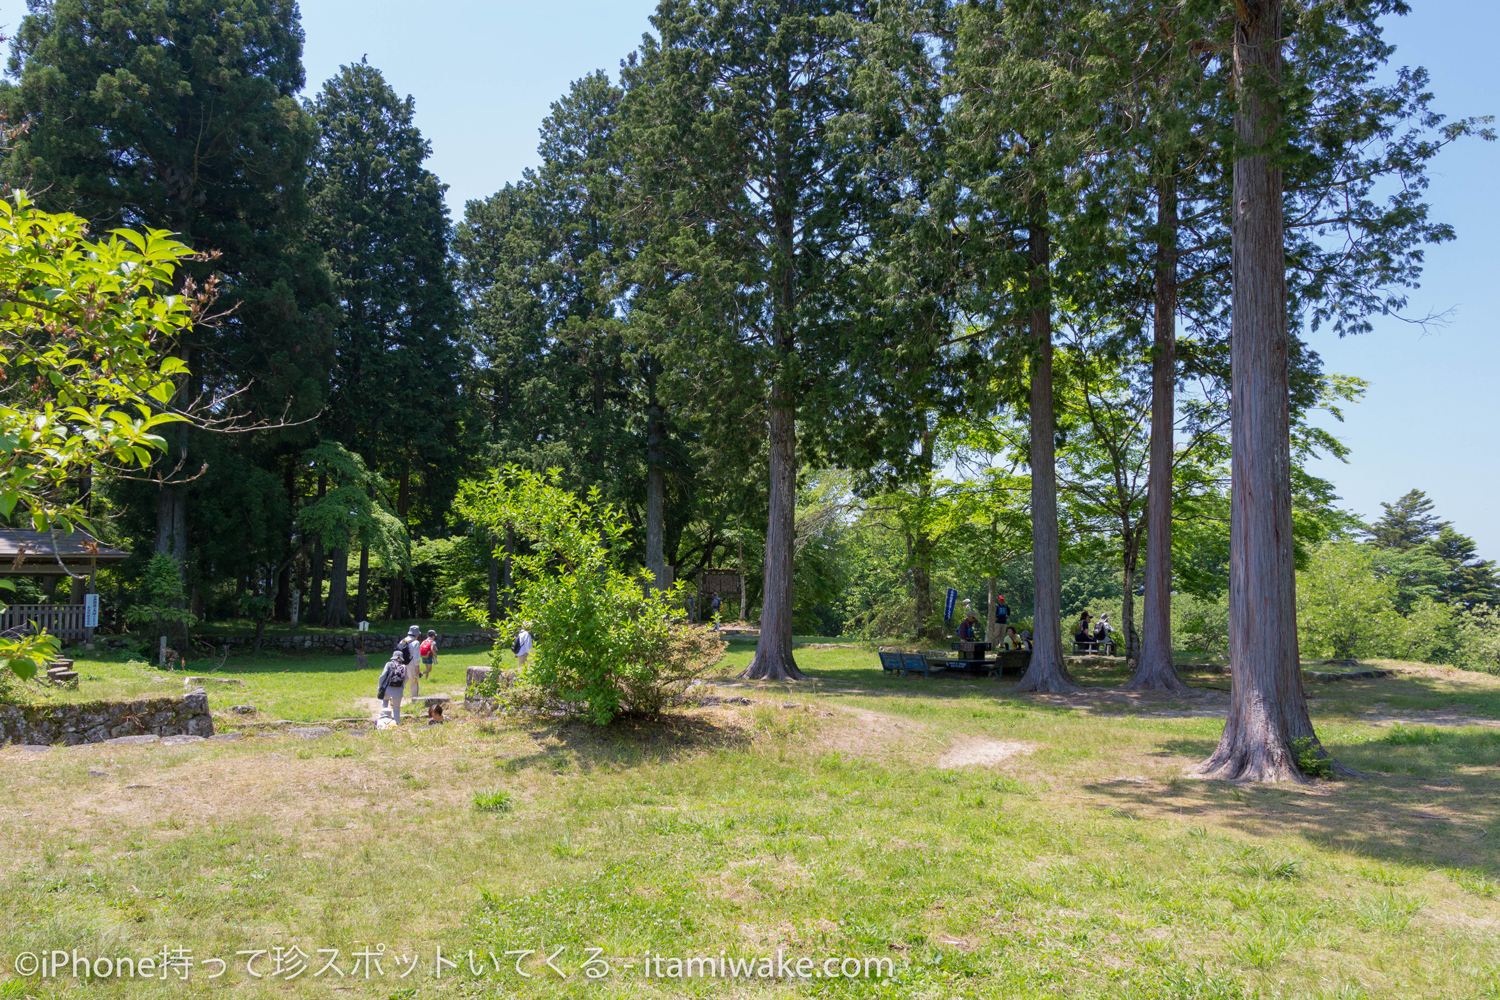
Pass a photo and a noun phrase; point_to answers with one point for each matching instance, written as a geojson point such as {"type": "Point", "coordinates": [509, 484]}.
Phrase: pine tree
{"type": "Point", "coordinates": [1407, 523]}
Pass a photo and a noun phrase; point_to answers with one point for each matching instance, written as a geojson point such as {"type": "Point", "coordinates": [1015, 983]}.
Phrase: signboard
{"type": "Point", "coordinates": [948, 605]}
{"type": "Point", "coordinates": [90, 610]}
{"type": "Point", "coordinates": [721, 581]}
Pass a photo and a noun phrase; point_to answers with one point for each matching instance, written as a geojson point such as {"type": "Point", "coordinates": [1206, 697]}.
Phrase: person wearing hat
{"type": "Point", "coordinates": [410, 649]}
{"type": "Point", "coordinates": [1002, 611]}
{"type": "Point", "coordinates": [966, 628]}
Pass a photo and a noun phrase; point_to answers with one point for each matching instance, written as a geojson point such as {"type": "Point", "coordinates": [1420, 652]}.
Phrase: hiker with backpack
{"type": "Point", "coordinates": [410, 652]}
{"type": "Point", "coordinates": [388, 688]}
{"type": "Point", "coordinates": [429, 652]}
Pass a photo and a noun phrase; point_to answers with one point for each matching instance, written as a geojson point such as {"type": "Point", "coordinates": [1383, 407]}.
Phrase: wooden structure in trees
{"type": "Point", "coordinates": [24, 552]}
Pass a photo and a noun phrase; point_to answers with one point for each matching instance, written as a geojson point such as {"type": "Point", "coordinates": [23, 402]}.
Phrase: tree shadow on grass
{"type": "Point", "coordinates": [1421, 799]}
{"type": "Point", "coordinates": [627, 742]}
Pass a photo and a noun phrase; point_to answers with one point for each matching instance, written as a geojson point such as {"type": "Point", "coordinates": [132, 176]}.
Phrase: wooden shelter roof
{"type": "Point", "coordinates": [24, 552]}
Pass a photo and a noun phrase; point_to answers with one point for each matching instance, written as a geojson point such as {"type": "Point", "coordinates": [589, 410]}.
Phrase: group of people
{"type": "Point", "coordinates": [1090, 640]}
{"type": "Point", "coordinates": [412, 660]}
{"type": "Point", "coordinates": [969, 631]}
{"type": "Point", "coordinates": [1089, 636]}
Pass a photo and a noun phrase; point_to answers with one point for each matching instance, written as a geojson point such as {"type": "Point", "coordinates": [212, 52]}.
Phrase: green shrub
{"type": "Point", "coordinates": [492, 802]}
{"type": "Point", "coordinates": [1345, 609]}
{"type": "Point", "coordinates": [606, 644]}
{"type": "Point", "coordinates": [1477, 639]}
{"type": "Point", "coordinates": [1312, 759]}
{"type": "Point", "coordinates": [162, 608]}
{"type": "Point", "coordinates": [1413, 736]}
{"type": "Point", "coordinates": [1201, 626]}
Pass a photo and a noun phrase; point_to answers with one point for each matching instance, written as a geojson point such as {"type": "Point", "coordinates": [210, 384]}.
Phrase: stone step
{"type": "Point", "coordinates": [59, 665]}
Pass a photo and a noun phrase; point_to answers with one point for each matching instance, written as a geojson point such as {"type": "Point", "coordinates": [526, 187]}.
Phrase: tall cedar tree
{"type": "Point", "coordinates": [1024, 124]}
{"type": "Point", "coordinates": [756, 200]}
{"type": "Point", "coordinates": [939, 372]}
{"type": "Point", "coordinates": [382, 221]}
{"type": "Point", "coordinates": [536, 269]}
{"type": "Point", "coordinates": [180, 115]}
{"type": "Point", "coordinates": [1345, 137]}
{"type": "Point", "coordinates": [1268, 731]}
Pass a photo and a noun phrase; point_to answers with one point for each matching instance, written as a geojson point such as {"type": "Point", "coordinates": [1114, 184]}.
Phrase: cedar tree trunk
{"type": "Point", "coordinates": [1155, 670]}
{"type": "Point", "coordinates": [1131, 542]}
{"type": "Point", "coordinates": [362, 601]}
{"type": "Point", "coordinates": [315, 611]}
{"type": "Point", "coordinates": [1046, 671]}
{"type": "Point", "coordinates": [337, 615]}
{"type": "Point", "coordinates": [656, 488]}
{"type": "Point", "coordinates": [773, 653]}
{"type": "Point", "coordinates": [284, 578]}
{"type": "Point", "coordinates": [403, 497]}
{"type": "Point", "coordinates": [1267, 706]}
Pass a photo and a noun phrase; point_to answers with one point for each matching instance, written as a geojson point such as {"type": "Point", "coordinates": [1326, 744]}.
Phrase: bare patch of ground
{"type": "Point", "coordinates": [863, 733]}
{"type": "Point", "coordinates": [978, 752]}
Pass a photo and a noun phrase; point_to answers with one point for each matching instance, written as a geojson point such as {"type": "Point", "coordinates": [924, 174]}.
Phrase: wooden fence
{"type": "Point", "coordinates": [64, 620]}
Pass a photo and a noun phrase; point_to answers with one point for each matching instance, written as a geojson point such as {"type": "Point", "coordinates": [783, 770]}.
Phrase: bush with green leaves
{"type": "Point", "coordinates": [1200, 625]}
{"type": "Point", "coordinates": [1345, 609]}
{"type": "Point", "coordinates": [605, 644]}
{"type": "Point", "coordinates": [1477, 639]}
{"type": "Point", "coordinates": [87, 326]}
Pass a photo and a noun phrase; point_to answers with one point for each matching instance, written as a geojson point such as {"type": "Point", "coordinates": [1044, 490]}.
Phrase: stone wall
{"type": "Point", "coordinates": [376, 643]}
{"type": "Point", "coordinates": [97, 721]}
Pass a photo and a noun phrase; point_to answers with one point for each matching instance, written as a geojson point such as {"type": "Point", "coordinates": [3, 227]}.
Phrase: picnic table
{"type": "Point", "coordinates": [932, 663]}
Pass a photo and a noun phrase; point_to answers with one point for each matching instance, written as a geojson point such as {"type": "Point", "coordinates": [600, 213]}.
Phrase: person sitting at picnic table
{"type": "Point", "coordinates": [1082, 636]}
{"type": "Point", "coordinates": [1101, 631]}
{"type": "Point", "coordinates": [1012, 639]}
{"type": "Point", "coordinates": [1026, 638]}
{"type": "Point", "coordinates": [966, 628]}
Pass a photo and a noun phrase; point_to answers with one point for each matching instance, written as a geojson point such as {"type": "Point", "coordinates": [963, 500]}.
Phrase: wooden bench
{"type": "Point", "coordinates": [911, 663]}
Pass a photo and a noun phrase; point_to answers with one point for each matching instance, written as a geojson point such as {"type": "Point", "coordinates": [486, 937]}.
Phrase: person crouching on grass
{"type": "Point", "coordinates": [435, 715]}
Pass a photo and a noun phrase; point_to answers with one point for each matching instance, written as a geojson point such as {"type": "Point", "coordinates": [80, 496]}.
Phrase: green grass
{"type": "Point", "coordinates": [1086, 868]}
{"type": "Point", "coordinates": [302, 687]}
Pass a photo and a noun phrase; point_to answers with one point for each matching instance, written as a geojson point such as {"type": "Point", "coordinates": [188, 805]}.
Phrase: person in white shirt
{"type": "Point", "coordinates": [523, 643]}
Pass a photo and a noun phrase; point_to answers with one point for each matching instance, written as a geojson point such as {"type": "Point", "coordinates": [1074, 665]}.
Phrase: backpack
{"type": "Point", "coordinates": [515, 647]}
{"type": "Point", "coordinates": [397, 676]}
{"type": "Point", "coordinates": [426, 648]}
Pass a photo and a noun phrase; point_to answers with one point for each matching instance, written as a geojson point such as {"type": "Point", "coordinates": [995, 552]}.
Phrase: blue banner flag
{"type": "Point", "coordinates": [948, 605]}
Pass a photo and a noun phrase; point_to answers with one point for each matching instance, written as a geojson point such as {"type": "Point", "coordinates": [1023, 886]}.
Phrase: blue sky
{"type": "Point", "coordinates": [484, 74]}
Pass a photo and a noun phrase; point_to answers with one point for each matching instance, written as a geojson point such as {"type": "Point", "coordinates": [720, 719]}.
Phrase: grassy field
{"type": "Point", "coordinates": [985, 844]}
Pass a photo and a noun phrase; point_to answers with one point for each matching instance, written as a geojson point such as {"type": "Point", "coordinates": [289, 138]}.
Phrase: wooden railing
{"type": "Point", "coordinates": [64, 620]}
